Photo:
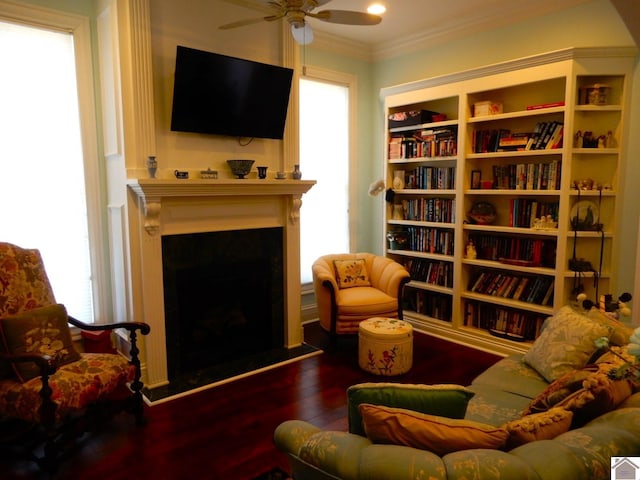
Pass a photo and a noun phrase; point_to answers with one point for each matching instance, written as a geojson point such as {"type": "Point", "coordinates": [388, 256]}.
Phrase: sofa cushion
{"type": "Point", "coordinates": [566, 343]}
{"type": "Point", "coordinates": [41, 331]}
{"type": "Point", "coordinates": [441, 435]}
{"type": "Point", "coordinates": [538, 426]}
{"type": "Point", "coordinates": [494, 406]}
{"type": "Point", "coordinates": [352, 273]}
{"type": "Point", "coordinates": [512, 374]}
{"type": "Point", "coordinates": [444, 399]}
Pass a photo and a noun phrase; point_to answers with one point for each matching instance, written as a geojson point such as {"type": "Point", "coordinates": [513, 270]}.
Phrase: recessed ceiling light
{"type": "Point", "coordinates": [376, 8]}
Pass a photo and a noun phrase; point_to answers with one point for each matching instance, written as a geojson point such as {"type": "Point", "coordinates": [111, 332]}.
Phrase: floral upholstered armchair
{"type": "Point", "coordinates": [46, 385]}
{"type": "Point", "coordinates": [351, 287]}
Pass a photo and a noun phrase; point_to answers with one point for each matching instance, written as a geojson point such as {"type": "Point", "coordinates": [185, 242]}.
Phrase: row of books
{"type": "Point", "coordinates": [425, 177]}
{"type": "Point", "coordinates": [430, 240]}
{"type": "Point", "coordinates": [530, 289]}
{"type": "Point", "coordinates": [442, 142]}
{"type": "Point", "coordinates": [528, 176]}
{"type": "Point", "coordinates": [545, 136]}
{"type": "Point", "coordinates": [428, 303]}
{"type": "Point", "coordinates": [503, 322]}
{"type": "Point", "coordinates": [435, 273]}
{"type": "Point", "coordinates": [440, 210]}
{"type": "Point", "coordinates": [538, 252]}
{"type": "Point", "coordinates": [523, 211]}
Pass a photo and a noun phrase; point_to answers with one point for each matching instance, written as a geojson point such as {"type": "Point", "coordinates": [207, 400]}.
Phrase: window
{"type": "Point", "coordinates": [43, 187]}
{"type": "Point", "coordinates": [324, 157]}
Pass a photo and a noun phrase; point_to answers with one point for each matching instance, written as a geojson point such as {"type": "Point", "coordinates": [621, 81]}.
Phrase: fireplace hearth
{"type": "Point", "coordinates": [223, 297]}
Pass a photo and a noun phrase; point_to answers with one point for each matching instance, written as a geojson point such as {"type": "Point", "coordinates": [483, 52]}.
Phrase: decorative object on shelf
{"type": "Point", "coordinates": [296, 174]}
{"type": "Point", "coordinates": [481, 109]}
{"type": "Point", "coordinates": [398, 212]}
{"type": "Point", "coordinates": [398, 180]}
{"type": "Point", "coordinates": [596, 94]}
{"type": "Point", "coordinates": [545, 223]}
{"type": "Point", "coordinates": [209, 174]}
{"type": "Point", "coordinates": [397, 239]}
{"type": "Point", "coordinates": [471, 252]}
{"type": "Point", "coordinates": [482, 213]}
{"type": "Point", "coordinates": [181, 175]}
{"type": "Point", "coordinates": [152, 166]}
{"type": "Point", "coordinates": [281, 175]}
{"type": "Point", "coordinates": [585, 216]}
{"type": "Point", "coordinates": [240, 168]}
{"type": "Point", "coordinates": [262, 172]}
{"type": "Point", "coordinates": [607, 305]}
{"type": "Point", "coordinates": [376, 188]}
{"type": "Point", "coordinates": [476, 179]}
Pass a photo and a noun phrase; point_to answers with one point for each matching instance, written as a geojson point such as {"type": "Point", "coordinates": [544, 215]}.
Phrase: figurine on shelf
{"type": "Point", "coordinates": [471, 250]}
{"type": "Point", "coordinates": [577, 141]}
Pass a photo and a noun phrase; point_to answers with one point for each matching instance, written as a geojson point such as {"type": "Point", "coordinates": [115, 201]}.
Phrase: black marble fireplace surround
{"type": "Point", "coordinates": [223, 299]}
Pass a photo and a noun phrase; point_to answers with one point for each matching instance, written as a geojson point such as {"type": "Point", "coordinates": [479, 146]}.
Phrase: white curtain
{"type": "Point", "coordinates": [324, 157]}
{"type": "Point", "coordinates": [42, 186]}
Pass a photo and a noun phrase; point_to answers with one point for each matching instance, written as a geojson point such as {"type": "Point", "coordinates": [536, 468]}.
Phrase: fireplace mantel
{"type": "Point", "coordinates": [156, 188]}
{"type": "Point", "coordinates": [152, 191]}
{"type": "Point", "coordinates": [174, 206]}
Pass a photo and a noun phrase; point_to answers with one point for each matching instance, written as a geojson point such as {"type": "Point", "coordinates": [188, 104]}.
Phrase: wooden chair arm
{"type": "Point", "coordinates": [46, 363]}
{"type": "Point", "coordinates": [129, 326]}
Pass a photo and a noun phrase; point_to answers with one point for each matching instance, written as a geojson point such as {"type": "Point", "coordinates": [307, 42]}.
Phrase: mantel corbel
{"type": "Point", "coordinates": [294, 209]}
{"type": "Point", "coordinates": [151, 209]}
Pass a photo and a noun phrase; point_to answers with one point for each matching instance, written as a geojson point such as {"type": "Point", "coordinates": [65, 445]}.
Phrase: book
{"type": "Point", "coordinates": [520, 289]}
{"type": "Point", "coordinates": [539, 106]}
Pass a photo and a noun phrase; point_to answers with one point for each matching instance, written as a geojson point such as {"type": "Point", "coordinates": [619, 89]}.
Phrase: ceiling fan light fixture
{"type": "Point", "coordinates": [302, 33]}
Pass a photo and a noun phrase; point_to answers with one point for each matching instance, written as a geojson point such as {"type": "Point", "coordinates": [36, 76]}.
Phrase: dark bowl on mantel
{"type": "Point", "coordinates": [240, 168]}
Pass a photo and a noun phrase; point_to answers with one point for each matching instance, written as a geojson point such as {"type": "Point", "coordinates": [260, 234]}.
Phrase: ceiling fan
{"type": "Point", "coordinates": [295, 12]}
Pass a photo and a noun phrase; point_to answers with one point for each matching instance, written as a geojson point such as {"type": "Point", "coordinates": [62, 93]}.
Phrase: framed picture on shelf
{"type": "Point", "coordinates": [476, 178]}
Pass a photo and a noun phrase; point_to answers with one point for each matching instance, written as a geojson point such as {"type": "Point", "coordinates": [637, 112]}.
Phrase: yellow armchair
{"type": "Point", "coordinates": [351, 287]}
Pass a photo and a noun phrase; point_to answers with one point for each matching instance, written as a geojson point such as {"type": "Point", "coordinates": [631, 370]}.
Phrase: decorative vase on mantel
{"type": "Point", "coordinates": [296, 174]}
{"type": "Point", "coordinates": [152, 166]}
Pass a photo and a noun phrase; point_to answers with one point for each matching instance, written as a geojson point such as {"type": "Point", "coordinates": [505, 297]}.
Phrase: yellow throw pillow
{"type": "Point", "coordinates": [620, 332]}
{"type": "Point", "coordinates": [538, 426]}
{"type": "Point", "coordinates": [352, 273]}
{"type": "Point", "coordinates": [439, 435]}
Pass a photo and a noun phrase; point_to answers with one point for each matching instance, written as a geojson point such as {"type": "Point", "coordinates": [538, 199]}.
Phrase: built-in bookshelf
{"type": "Point", "coordinates": [501, 178]}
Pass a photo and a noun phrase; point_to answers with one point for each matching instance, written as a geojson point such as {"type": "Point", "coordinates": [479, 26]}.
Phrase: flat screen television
{"type": "Point", "coordinates": [224, 95]}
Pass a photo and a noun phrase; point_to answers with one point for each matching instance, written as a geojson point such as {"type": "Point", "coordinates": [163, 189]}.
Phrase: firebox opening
{"type": "Point", "coordinates": [224, 297]}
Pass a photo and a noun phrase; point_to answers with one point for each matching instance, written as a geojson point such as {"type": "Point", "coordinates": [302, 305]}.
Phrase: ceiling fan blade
{"type": "Point", "coordinates": [347, 17]}
{"type": "Point", "coordinates": [251, 21]}
{"type": "Point", "coordinates": [241, 23]}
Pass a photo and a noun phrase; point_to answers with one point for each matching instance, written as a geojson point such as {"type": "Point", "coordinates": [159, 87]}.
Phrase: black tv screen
{"type": "Point", "coordinates": [224, 95]}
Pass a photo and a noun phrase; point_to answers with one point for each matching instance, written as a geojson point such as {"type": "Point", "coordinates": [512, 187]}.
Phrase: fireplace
{"type": "Point", "coordinates": [210, 213]}
{"type": "Point", "coordinates": [223, 297]}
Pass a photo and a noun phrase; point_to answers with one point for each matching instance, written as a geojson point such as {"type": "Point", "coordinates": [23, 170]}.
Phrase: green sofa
{"type": "Point", "coordinates": [498, 396]}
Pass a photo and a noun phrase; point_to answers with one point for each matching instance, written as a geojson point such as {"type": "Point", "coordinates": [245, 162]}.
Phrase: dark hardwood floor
{"type": "Point", "coordinates": [226, 432]}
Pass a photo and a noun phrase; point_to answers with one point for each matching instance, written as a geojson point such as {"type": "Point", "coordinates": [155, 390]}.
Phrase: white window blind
{"type": "Point", "coordinates": [324, 157]}
{"type": "Point", "coordinates": [42, 186]}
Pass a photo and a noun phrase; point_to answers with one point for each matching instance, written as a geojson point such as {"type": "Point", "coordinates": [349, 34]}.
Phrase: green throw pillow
{"type": "Point", "coordinates": [566, 343]}
{"type": "Point", "coordinates": [443, 400]}
{"type": "Point", "coordinates": [42, 331]}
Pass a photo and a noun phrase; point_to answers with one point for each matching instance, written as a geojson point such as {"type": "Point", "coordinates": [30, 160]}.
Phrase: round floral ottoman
{"type": "Point", "coordinates": [385, 346]}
